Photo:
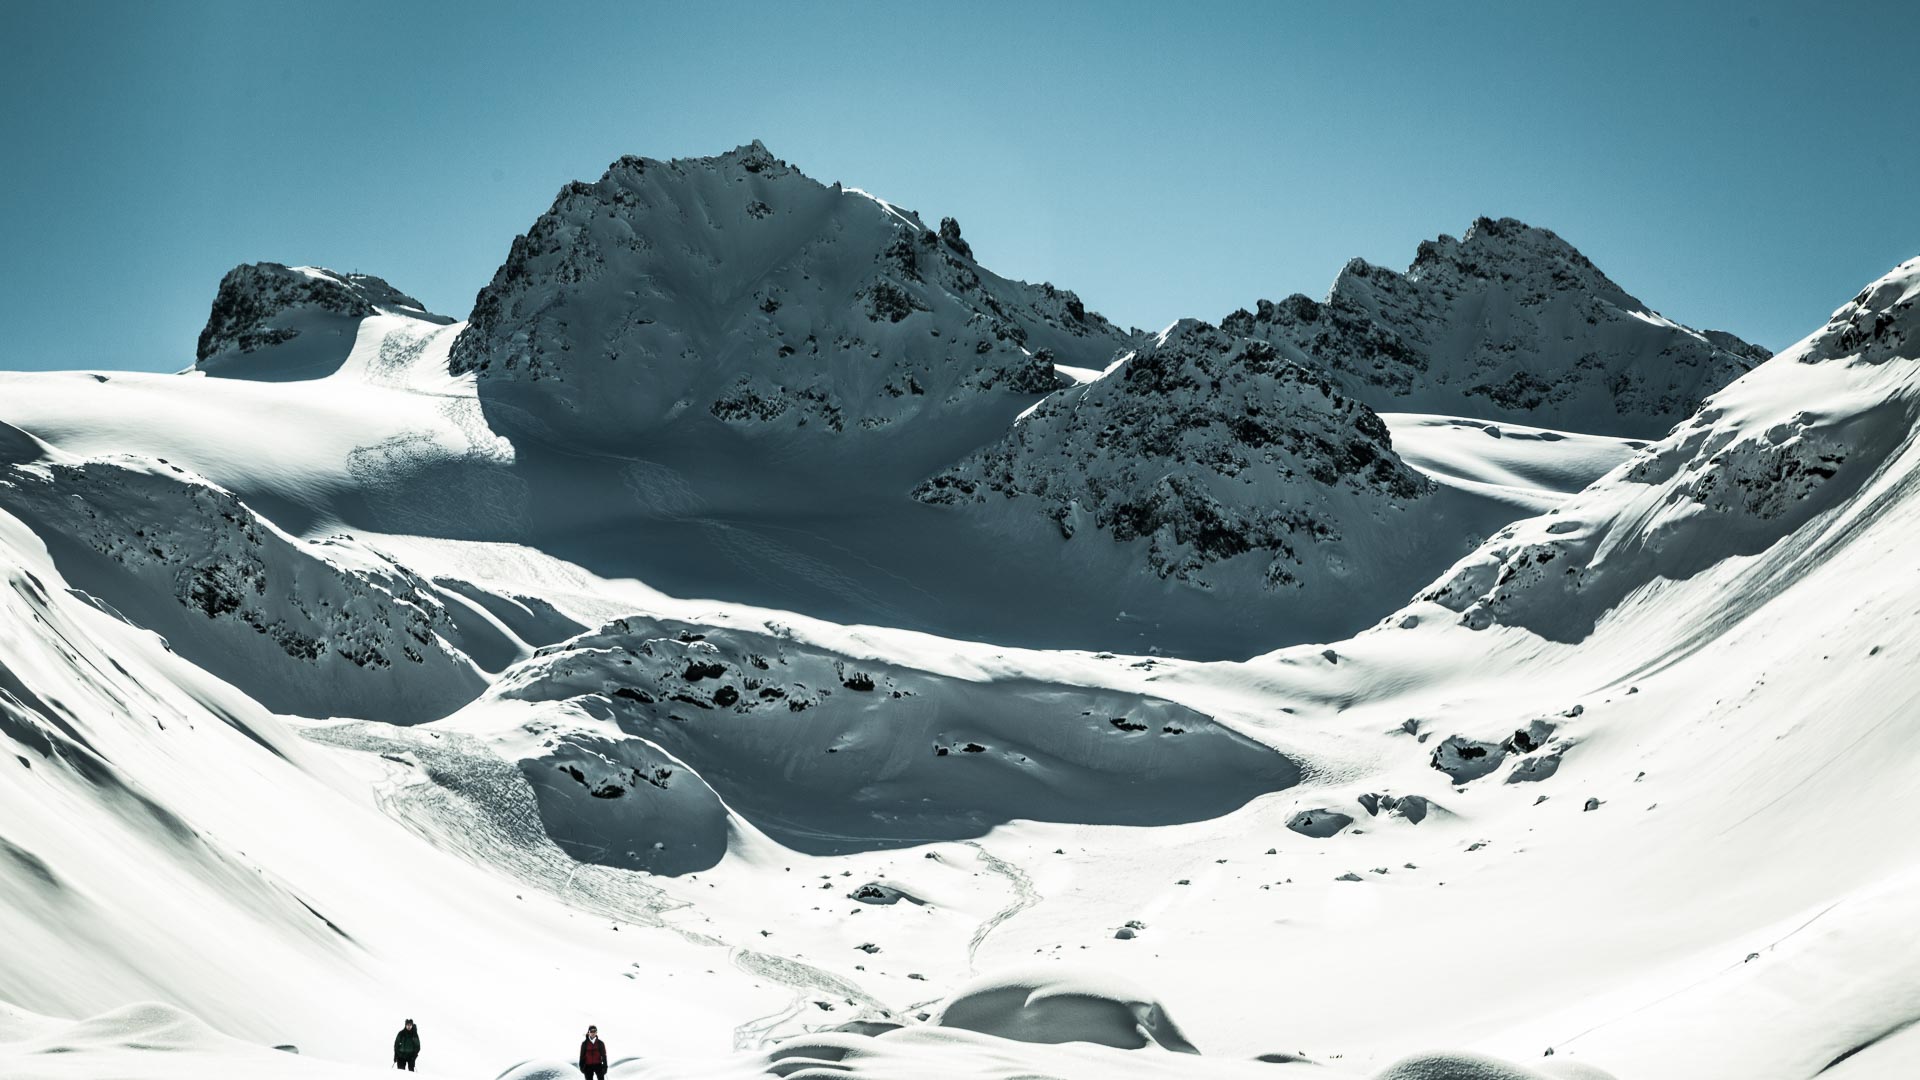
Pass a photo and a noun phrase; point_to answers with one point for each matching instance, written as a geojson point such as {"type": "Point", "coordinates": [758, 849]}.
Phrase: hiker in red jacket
{"type": "Point", "coordinates": [593, 1055]}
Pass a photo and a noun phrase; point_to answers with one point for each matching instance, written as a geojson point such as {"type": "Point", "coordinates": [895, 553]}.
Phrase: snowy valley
{"type": "Point", "coordinates": [766, 632]}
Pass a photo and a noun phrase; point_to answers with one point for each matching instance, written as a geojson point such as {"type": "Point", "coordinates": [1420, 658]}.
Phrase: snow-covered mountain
{"type": "Point", "coordinates": [737, 288]}
{"type": "Point", "coordinates": [507, 677]}
{"type": "Point", "coordinates": [1206, 447]}
{"type": "Point", "coordinates": [1821, 435]}
{"type": "Point", "coordinates": [1509, 322]}
{"type": "Point", "coordinates": [831, 527]}
{"type": "Point", "coordinates": [686, 322]}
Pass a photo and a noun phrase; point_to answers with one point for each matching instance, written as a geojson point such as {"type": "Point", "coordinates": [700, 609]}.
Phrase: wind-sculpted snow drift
{"type": "Point", "coordinates": [657, 650]}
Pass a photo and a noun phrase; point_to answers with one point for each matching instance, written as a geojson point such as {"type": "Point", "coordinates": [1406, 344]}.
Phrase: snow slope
{"type": "Point", "coordinates": [1530, 469]}
{"type": "Point", "coordinates": [1824, 431]}
{"type": "Point", "coordinates": [163, 837]}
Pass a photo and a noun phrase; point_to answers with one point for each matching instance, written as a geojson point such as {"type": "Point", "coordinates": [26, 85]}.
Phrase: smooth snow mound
{"type": "Point", "coordinates": [540, 1070]}
{"type": "Point", "coordinates": [144, 1041]}
{"type": "Point", "coordinates": [1481, 1067]}
{"type": "Point", "coordinates": [17, 1023]}
{"type": "Point", "coordinates": [1048, 1005]}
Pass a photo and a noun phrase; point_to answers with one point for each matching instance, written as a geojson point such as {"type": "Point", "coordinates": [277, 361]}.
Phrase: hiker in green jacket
{"type": "Point", "coordinates": [406, 1047]}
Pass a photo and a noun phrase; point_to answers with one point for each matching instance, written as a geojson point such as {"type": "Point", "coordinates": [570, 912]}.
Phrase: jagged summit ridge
{"type": "Point", "coordinates": [260, 304]}
{"type": "Point", "coordinates": [1205, 445]}
{"type": "Point", "coordinates": [737, 287]}
{"type": "Point", "coordinates": [1507, 249]}
{"type": "Point", "coordinates": [1507, 322]}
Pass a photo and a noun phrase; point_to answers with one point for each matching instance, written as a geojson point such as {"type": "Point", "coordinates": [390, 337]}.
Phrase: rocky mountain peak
{"type": "Point", "coordinates": [751, 159]}
{"type": "Point", "coordinates": [1207, 446]}
{"type": "Point", "coordinates": [1507, 322]}
{"type": "Point", "coordinates": [260, 304]}
{"type": "Point", "coordinates": [738, 288]}
{"type": "Point", "coordinates": [1511, 251]}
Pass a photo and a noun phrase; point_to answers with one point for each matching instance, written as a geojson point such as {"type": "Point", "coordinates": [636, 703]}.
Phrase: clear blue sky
{"type": "Point", "coordinates": [1742, 166]}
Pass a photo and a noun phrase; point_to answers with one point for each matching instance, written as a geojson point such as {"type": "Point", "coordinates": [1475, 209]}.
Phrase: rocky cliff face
{"type": "Point", "coordinates": [264, 304]}
{"type": "Point", "coordinates": [1508, 322]}
{"type": "Point", "coordinates": [737, 288]}
{"type": "Point", "coordinates": [1207, 447]}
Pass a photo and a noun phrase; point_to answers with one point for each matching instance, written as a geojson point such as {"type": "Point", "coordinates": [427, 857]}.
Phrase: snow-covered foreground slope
{"type": "Point", "coordinates": [310, 913]}
{"type": "Point", "coordinates": [164, 837]}
{"type": "Point", "coordinates": [1628, 786]}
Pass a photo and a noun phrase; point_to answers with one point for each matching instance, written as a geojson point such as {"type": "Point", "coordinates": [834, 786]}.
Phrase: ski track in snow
{"type": "Point", "coordinates": [1025, 896]}
{"type": "Point", "coordinates": [772, 563]}
{"type": "Point", "coordinates": [1733, 967]}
